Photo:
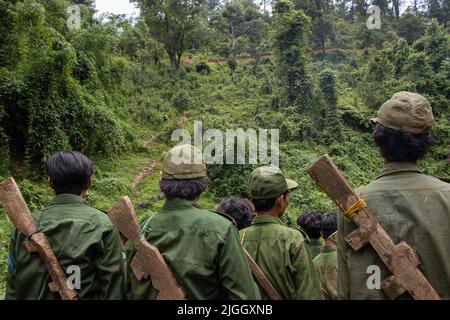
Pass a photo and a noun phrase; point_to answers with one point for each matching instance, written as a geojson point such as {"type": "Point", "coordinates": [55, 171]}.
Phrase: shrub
{"type": "Point", "coordinates": [203, 67]}
{"type": "Point", "coordinates": [181, 100]}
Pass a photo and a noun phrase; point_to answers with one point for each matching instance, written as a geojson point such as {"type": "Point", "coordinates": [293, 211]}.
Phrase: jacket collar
{"type": "Point", "coordinates": [67, 199]}
{"type": "Point", "coordinates": [397, 167]}
{"type": "Point", "coordinates": [315, 242]}
{"type": "Point", "coordinates": [261, 219]}
{"type": "Point", "coordinates": [177, 203]}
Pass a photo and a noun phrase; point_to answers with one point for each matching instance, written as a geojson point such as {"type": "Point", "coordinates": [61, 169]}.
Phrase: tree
{"type": "Point", "coordinates": [378, 79]}
{"type": "Point", "coordinates": [436, 44]}
{"type": "Point", "coordinates": [327, 84]}
{"type": "Point", "coordinates": [322, 15]}
{"type": "Point", "coordinates": [350, 8]}
{"type": "Point", "coordinates": [383, 4]}
{"type": "Point", "coordinates": [233, 13]}
{"type": "Point", "coordinates": [256, 31]}
{"type": "Point", "coordinates": [171, 22]}
{"type": "Point", "coordinates": [323, 30]}
{"type": "Point", "coordinates": [243, 28]}
{"type": "Point", "coordinates": [396, 7]}
{"type": "Point", "coordinates": [419, 72]}
{"type": "Point", "coordinates": [134, 40]}
{"type": "Point", "coordinates": [439, 9]}
{"type": "Point", "coordinates": [290, 28]}
{"type": "Point", "coordinates": [8, 40]}
{"type": "Point", "coordinates": [399, 54]}
{"type": "Point", "coordinates": [51, 93]}
{"type": "Point", "coordinates": [411, 27]}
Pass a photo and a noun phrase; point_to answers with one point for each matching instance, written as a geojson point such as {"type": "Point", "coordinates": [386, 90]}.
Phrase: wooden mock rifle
{"type": "Point", "coordinates": [268, 288]}
{"type": "Point", "coordinates": [19, 214]}
{"type": "Point", "coordinates": [333, 238]}
{"type": "Point", "coordinates": [400, 258]}
{"type": "Point", "coordinates": [147, 261]}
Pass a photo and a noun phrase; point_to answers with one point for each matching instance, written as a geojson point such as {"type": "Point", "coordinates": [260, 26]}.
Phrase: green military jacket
{"type": "Point", "coordinates": [203, 250]}
{"type": "Point", "coordinates": [80, 236]}
{"type": "Point", "coordinates": [327, 268]}
{"type": "Point", "coordinates": [282, 254]}
{"type": "Point", "coordinates": [412, 207]}
{"type": "Point", "coordinates": [315, 245]}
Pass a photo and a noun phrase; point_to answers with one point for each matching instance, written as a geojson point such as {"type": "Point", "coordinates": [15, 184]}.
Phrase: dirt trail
{"type": "Point", "coordinates": [149, 169]}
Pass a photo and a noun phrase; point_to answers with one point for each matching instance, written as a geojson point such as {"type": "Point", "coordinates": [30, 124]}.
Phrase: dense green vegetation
{"type": "Point", "coordinates": [117, 88]}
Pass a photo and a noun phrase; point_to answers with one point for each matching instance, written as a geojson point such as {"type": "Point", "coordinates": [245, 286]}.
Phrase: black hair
{"type": "Point", "coordinates": [263, 205]}
{"type": "Point", "coordinates": [69, 172]}
{"type": "Point", "coordinates": [188, 189]}
{"type": "Point", "coordinates": [399, 146]}
{"type": "Point", "coordinates": [240, 209]}
{"type": "Point", "coordinates": [309, 221]}
{"type": "Point", "coordinates": [328, 225]}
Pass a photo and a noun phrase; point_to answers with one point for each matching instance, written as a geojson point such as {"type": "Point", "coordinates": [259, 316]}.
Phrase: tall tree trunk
{"type": "Point", "coordinates": [416, 9]}
{"type": "Point", "coordinates": [257, 62]}
{"type": "Point", "coordinates": [173, 61]}
{"type": "Point", "coordinates": [396, 5]}
{"type": "Point", "coordinates": [233, 38]}
{"type": "Point", "coordinates": [180, 51]}
{"type": "Point", "coordinates": [232, 63]}
{"type": "Point", "coordinates": [352, 11]}
{"type": "Point", "coordinates": [179, 60]}
{"type": "Point", "coordinates": [233, 75]}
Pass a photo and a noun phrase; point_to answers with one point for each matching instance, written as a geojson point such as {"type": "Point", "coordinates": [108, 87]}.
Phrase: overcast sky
{"type": "Point", "coordinates": [116, 7]}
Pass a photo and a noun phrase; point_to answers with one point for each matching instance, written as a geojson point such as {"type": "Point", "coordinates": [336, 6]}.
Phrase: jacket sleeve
{"type": "Point", "coordinates": [343, 273]}
{"type": "Point", "coordinates": [10, 293]}
{"type": "Point", "coordinates": [306, 280]}
{"type": "Point", "coordinates": [234, 270]}
{"type": "Point", "coordinates": [110, 266]}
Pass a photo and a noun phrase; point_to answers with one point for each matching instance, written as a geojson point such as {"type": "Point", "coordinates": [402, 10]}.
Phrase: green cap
{"type": "Point", "coordinates": [406, 111]}
{"type": "Point", "coordinates": [269, 182]}
{"type": "Point", "coordinates": [183, 162]}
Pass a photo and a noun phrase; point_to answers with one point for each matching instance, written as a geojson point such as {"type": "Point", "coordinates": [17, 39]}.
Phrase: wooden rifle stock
{"type": "Point", "coordinates": [147, 261]}
{"type": "Point", "coordinates": [268, 288]}
{"type": "Point", "coordinates": [333, 238]}
{"type": "Point", "coordinates": [19, 214]}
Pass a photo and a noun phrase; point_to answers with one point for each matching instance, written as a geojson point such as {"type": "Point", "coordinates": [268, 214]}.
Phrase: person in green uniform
{"type": "Point", "coordinates": [201, 247]}
{"type": "Point", "coordinates": [410, 205]}
{"type": "Point", "coordinates": [83, 239]}
{"type": "Point", "coordinates": [326, 260]}
{"type": "Point", "coordinates": [240, 209]}
{"type": "Point", "coordinates": [281, 252]}
{"type": "Point", "coordinates": [309, 222]}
